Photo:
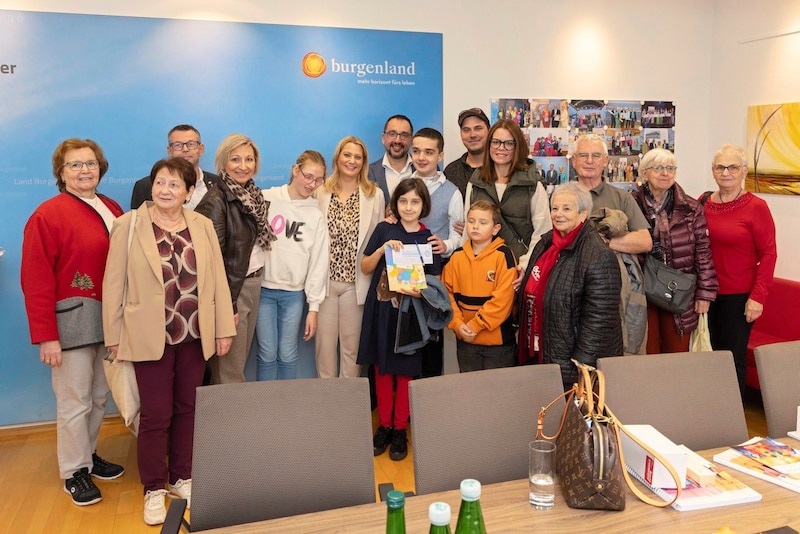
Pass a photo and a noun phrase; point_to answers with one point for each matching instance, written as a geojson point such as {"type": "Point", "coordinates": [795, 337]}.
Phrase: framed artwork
{"type": "Point", "coordinates": [773, 149]}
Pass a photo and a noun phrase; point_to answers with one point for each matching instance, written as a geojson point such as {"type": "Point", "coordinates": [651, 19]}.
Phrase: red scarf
{"type": "Point", "coordinates": [535, 287]}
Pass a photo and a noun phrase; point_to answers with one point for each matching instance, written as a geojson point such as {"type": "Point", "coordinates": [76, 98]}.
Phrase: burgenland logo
{"type": "Point", "coordinates": [314, 66]}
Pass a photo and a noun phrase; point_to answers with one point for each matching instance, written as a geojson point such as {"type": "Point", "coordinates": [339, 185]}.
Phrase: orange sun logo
{"type": "Point", "coordinates": [313, 65]}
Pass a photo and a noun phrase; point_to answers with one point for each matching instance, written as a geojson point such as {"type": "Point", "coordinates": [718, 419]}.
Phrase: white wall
{"type": "Point", "coordinates": [683, 50]}
{"type": "Point", "coordinates": [759, 72]}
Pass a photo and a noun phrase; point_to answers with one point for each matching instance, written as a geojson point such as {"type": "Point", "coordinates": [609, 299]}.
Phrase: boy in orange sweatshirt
{"type": "Point", "coordinates": [479, 280]}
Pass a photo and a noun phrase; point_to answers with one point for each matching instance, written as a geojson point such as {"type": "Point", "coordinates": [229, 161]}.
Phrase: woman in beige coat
{"type": "Point", "coordinates": [167, 308]}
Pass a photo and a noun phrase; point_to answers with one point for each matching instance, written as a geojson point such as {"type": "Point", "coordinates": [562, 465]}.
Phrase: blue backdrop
{"type": "Point", "coordinates": [124, 82]}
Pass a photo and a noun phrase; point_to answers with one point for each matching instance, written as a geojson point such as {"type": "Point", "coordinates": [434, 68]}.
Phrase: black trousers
{"type": "Point", "coordinates": [730, 330]}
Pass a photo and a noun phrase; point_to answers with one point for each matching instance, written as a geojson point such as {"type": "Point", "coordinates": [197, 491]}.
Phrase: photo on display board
{"type": "Point", "coordinates": [629, 127]}
{"type": "Point", "coordinates": [773, 149]}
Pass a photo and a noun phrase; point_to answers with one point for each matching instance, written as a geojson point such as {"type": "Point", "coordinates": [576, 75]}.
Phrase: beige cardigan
{"type": "Point", "coordinates": [138, 325]}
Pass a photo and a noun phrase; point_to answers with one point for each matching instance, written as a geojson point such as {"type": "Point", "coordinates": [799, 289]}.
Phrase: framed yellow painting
{"type": "Point", "coordinates": [773, 149]}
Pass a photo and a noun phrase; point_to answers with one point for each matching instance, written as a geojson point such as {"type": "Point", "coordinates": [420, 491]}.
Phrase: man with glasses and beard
{"type": "Point", "coordinates": [183, 141]}
{"type": "Point", "coordinates": [395, 164]}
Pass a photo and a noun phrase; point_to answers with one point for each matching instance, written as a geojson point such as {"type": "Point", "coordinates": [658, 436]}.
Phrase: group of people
{"type": "Point", "coordinates": [204, 263]}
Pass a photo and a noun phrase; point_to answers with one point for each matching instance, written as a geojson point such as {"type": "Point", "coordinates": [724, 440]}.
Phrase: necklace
{"type": "Point", "coordinates": [731, 200]}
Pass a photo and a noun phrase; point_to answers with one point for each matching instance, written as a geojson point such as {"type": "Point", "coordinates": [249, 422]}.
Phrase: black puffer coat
{"type": "Point", "coordinates": [581, 303]}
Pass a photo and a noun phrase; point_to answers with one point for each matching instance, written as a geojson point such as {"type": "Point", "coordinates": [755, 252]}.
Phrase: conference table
{"type": "Point", "coordinates": [506, 509]}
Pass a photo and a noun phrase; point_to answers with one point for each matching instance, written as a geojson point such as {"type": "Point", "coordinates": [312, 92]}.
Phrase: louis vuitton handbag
{"type": "Point", "coordinates": [589, 461]}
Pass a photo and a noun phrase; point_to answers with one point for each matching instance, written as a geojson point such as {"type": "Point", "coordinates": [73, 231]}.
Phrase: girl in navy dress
{"type": "Point", "coordinates": [410, 202]}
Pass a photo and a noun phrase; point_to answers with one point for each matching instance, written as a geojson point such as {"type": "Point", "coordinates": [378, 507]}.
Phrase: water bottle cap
{"type": "Point", "coordinates": [470, 490]}
{"type": "Point", "coordinates": [439, 514]}
{"type": "Point", "coordinates": [395, 499]}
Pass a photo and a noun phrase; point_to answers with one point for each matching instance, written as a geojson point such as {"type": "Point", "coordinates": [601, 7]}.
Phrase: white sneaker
{"type": "Point", "coordinates": [182, 489]}
{"type": "Point", "coordinates": [155, 512]}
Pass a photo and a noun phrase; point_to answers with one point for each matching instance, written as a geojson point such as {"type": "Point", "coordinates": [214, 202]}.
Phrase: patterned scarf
{"type": "Point", "coordinates": [255, 206]}
{"type": "Point", "coordinates": [535, 288]}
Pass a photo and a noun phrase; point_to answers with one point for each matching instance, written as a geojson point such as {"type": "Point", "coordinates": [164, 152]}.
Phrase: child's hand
{"type": "Point", "coordinates": [394, 244]}
{"type": "Point", "coordinates": [518, 280]}
{"type": "Point", "coordinates": [410, 291]}
{"type": "Point", "coordinates": [466, 333]}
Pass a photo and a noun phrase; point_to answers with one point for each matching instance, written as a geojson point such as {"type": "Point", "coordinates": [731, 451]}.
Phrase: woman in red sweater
{"type": "Point", "coordinates": [742, 235]}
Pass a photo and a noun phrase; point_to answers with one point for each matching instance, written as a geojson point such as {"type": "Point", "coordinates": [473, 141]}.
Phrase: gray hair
{"type": "Point", "coordinates": [657, 156]}
{"type": "Point", "coordinates": [583, 198]}
{"type": "Point", "coordinates": [586, 138]}
{"type": "Point", "coordinates": [736, 150]}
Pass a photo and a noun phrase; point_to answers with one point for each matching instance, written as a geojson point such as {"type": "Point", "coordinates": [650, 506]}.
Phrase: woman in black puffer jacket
{"type": "Point", "coordinates": [569, 297]}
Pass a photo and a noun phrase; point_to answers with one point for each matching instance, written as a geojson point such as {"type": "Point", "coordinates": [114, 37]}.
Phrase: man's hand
{"type": "Point", "coordinates": [50, 353]}
{"type": "Point", "coordinates": [437, 245]}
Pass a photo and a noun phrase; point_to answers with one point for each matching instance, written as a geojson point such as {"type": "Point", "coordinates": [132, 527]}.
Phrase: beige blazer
{"type": "Point", "coordinates": [371, 211]}
{"type": "Point", "coordinates": [138, 325]}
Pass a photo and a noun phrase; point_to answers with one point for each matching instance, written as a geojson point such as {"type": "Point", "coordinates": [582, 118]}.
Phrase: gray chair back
{"type": "Point", "coordinates": [778, 367]}
{"type": "Point", "coordinates": [690, 397]}
{"type": "Point", "coordinates": [478, 424]}
{"type": "Point", "coordinates": [273, 449]}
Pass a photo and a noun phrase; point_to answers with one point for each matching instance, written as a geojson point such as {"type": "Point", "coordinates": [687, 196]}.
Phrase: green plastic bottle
{"type": "Point", "coordinates": [395, 512]}
{"type": "Point", "coordinates": [439, 514]}
{"type": "Point", "coordinates": [470, 518]}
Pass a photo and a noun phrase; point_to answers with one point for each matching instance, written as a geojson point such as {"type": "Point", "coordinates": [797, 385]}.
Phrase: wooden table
{"type": "Point", "coordinates": [505, 509]}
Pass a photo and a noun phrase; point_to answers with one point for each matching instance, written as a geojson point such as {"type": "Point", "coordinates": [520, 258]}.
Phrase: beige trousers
{"type": "Point", "coordinates": [229, 369]}
{"type": "Point", "coordinates": [338, 326]}
{"type": "Point", "coordinates": [81, 391]}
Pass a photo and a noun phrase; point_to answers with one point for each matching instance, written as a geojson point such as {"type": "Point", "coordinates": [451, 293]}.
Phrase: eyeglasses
{"type": "Point", "coordinates": [583, 156]}
{"type": "Point", "coordinates": [508, 144]}
{"type": "Point", "coordinates": [405, 136]}
{"type": "Point", "coordinates": [76, 166]}
{"type": "Point", "coordinates": [191, 145]}
{"type": "Point", "coordinates": [311, 178]}
{"type": "Point", "coordinates": [733, 169]}
{"type": "Point", "coordinates": [660, 168]}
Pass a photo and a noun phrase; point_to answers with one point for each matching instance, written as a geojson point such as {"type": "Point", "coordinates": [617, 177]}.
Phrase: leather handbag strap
{"type": "Point", "coordinates": [660, 503]}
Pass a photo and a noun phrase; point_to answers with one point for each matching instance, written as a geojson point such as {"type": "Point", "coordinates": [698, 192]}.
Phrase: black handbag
{"type": "Point", "coordinates": [668, 288]}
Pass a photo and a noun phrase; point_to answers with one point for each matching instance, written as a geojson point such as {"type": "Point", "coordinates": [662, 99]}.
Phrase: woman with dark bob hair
{"type": "Point", "coordinates": [64, 250]}
{"type": "Point", "coordinates": [168, 310]}
{"type": "Point", "coordinates": [508, 180]}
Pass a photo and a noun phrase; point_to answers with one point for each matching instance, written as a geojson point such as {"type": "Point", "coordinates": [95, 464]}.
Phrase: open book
{"type": "Point", "coordinates": [767, 459]}
{"type": "Point", "coordinates": [720, 490]}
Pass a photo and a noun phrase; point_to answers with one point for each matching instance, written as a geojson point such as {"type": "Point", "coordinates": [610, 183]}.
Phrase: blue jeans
{"type": "Point", "coordinates": [280, 316]}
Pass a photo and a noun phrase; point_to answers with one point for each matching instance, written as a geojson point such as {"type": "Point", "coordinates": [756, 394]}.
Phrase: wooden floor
{"type": "Point", "coordinates": [34, 500]}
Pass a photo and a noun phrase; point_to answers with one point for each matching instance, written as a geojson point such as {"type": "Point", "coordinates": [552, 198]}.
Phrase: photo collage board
{"type": "Point", "coordinates": [551, 126]}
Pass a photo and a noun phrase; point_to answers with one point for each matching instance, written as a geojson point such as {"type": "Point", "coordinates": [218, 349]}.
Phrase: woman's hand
{"type": "Point", "coordinates": [50, 353]}
{"type": "Point", "coordinates": [112, 352]}
{"type": "Point", "coordinates": [236, 320]}
{"type": "Point", "coordinates": [701, 306]}
{"type": "Point", "coordinates": [752, 310]}
{"type": "Point", "coordinates": [311, 325]}
{"type": "Point", "coordinates": [224, 345]}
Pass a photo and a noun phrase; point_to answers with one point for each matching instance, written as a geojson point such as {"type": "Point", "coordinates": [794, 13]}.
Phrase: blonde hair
{"type": "Point", "coordinates": [309, 156]}
{"type": "Point", "coordinates": [367, 186]}
{"type": "Point", "coordinates": [228, 145]}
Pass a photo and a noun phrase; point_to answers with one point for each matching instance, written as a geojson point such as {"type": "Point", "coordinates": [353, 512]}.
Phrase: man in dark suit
{"type": "Point", "coordinates": [183, 141]}
{"type": "Point", "coordinates": [551, 176]}
{"type": "Point", "coordinates": [395, 164]}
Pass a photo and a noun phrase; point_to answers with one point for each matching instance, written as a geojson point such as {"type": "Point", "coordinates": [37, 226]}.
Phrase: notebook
{"type": "Point", "coordinates": [721, 490]}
